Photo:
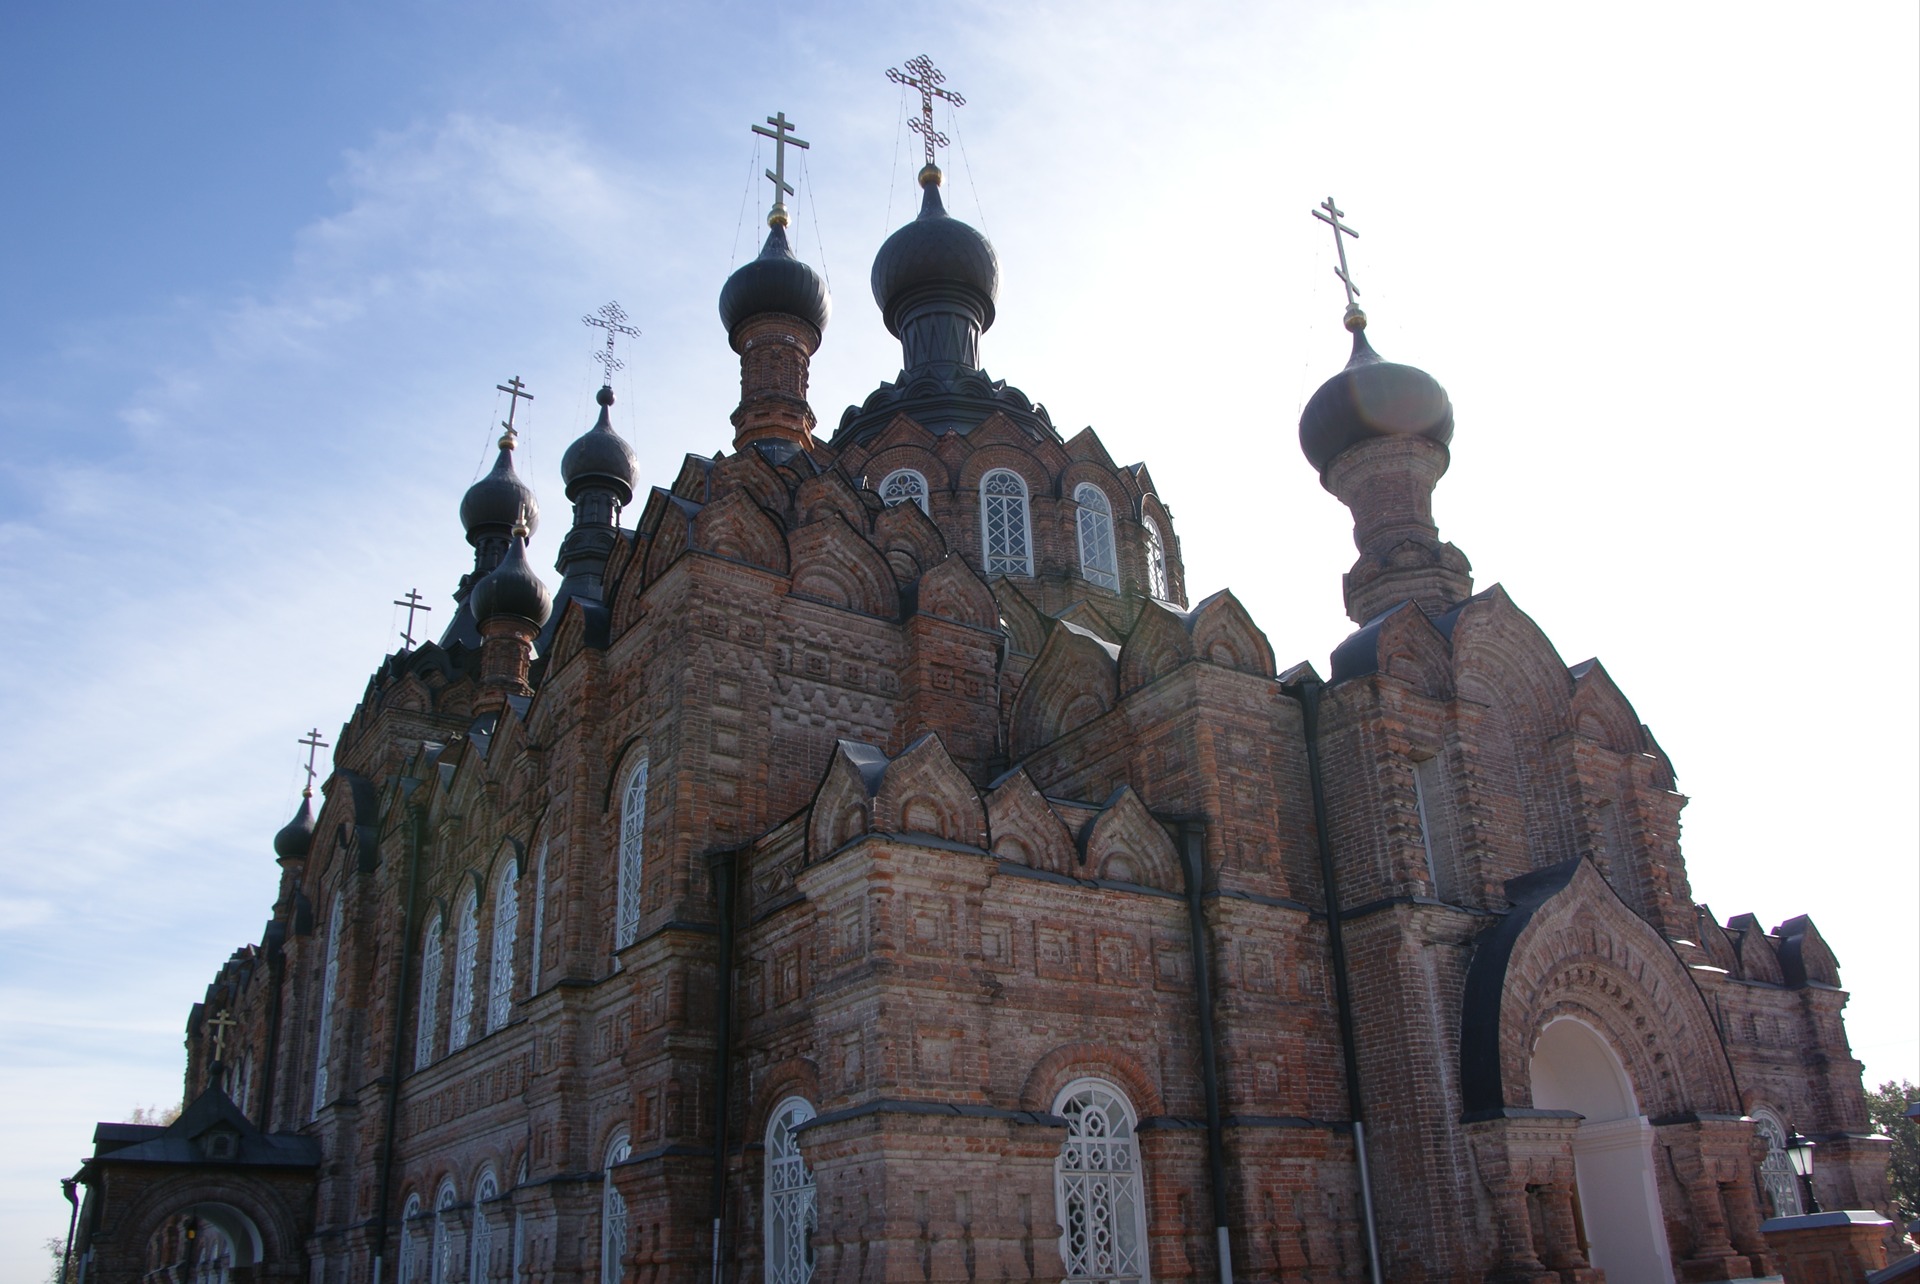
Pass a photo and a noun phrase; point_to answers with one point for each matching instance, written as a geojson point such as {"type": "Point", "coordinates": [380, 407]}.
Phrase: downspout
{"type": "Point", "coordinates": [277, 970]}
{"type": "Point", "coordinates": [721, 865]}
{"type": "Point", "coordinates": [1193, 860]}
{"type": "Point", "coordinates": [403, 982]}
{"type": "Point", "coordinates": [1308, 692]}
{"type": "Point", "coordinates": [67, 1188]}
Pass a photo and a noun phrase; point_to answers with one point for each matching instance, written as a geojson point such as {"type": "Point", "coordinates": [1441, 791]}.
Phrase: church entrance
{"type": "Point", "coordinates": [1575, 1069]}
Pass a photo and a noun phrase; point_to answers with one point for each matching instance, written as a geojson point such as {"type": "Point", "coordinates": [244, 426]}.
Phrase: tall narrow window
{"type": "Point", "coordinates": [633, 832]}
{"type": "Point", "coordinates": [519, 1222]}
{"type": "Point", "coordinates": [466, 951]}
{"type": "Point", "coordinates": [1776, 1170]}
{"type": "Point", "coordinates": [480, 1246]}
{"type": "Point", "coordinates": [506, 928]}
{"type": "Point", "coordinates": [539, 920]}
{"type": "Point", "coordinates": [329, 983]}
{"type": "Point", "coordinates": [1097, 562]}
{"type": "Point", "coordinates": [433, 947]}
{"type": "Point", "coordinates": [902, 485]}
{"type": "Point", "coordinates": [1006, 535]}
{"type": "Point", "coordinates": [441, 1263]}
{"type": "Point", "coordinates": [790, 1212]}
{"type": "Point", "coordinates": [1096, 1183]}
{"type": "Point", "coordinates": [613, 1216]}
{"type": "Point", "coordinates": [407, 1273]}
{"type": "Point", "coordinates": [1432, 799]}
{"type": "Point", "coordinates": [1156, 561]}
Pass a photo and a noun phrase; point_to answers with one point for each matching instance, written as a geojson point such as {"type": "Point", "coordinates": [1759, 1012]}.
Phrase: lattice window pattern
{"type": "Point", "coordinates": [1776, 1170]}
{"type": "Point", "coordinates": [791, 1211]}
{"type": "Point", "coordinates": [407, 1271]}
{"type": "Point", "coordinates": [480, 1252]}
{"type": "Point", "coordinates": [903, 484]}
{"type": "Point", "coordinates": [1097, 1187]}
{"type": "Point", "coordinates": [441, 1263]}
{"type": "Point", "coordinates": [432, 951]}
{"type": "Point", "coordinates": [613, 1217]}
{"type": "Point", "coordinates": [466, 953]}
{"type": "Point", "coordinates": [633, 827]}
{"type": "Point", "coordinates": [506, 928]}
{"type": "Point", "coordinates": [1097, 562]}
{"type": "Point", "coordinates": [329, 983]}
{"type": "Point", "coordinates": [1005, 531]}
{"type": "Point", "coordinates": [1156, 561]}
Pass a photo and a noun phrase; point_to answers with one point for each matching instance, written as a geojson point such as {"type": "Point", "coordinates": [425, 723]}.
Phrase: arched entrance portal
{"type": "Point", "coordinates": [205, 1243]}
{"type": "Point", "coordinates": [1573, 1068]}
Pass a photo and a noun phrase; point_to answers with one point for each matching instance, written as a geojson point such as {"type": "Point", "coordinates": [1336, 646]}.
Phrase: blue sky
{"type": "Point", "coordinates": [264, 265]}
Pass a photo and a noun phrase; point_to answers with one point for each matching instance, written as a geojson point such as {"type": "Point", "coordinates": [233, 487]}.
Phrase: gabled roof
{"type": "Point", "coordinates": [211, 1131]}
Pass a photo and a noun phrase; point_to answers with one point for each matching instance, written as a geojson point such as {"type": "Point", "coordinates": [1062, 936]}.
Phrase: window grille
{"type": "Point", "coordinates": [441, 1263]}
{"type": "Point", "coordinates": [1005, 531]}
{"type": "Point", "coordinates": [432, 950]}
{"type": "Point", "coordinates": [1776, 1170]}
{"type": "Point", "coordinates": [791, 1214]}
{"type": "Point", "coordinates": [1097, 561]}
{"type": "Point", "coordinates": [1156, 561]}
{"type": "Point", "coordinates": [1097, 1189]}
{"type": "Point", "coordinates": [613, 1216]}
{"type": "Point", "coordinates": [466, 951]}
{"type": "Point", "coordinates": [633, 826]}
{"type": "Point", "coordinates": [480, 1252]}
{"type": "Point", "coordinates": [539, 920]}
{"type": "Point", "coordinates": [506, 926]}
{"type": "Point", "coordinates": [903, 484]}
{"type": "Point", "coordinates": [329, 982]}
{"type": "Point", "coordinates": [408, 1216]}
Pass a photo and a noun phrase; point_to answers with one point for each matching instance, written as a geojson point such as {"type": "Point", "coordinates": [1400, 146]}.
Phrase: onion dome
{"type": "Point", "coordinates": [499, 501]}
{"type": "Point", "coordinates": [600, 457]}
{"type": "Point", "coordinates": [512, 589]}
{"type": "Point", "coordinates": [296, 836]}
{"type": "Point", "coordinates": [935, 257]}
{"type": "Point", "coordinates": [1372, 398]}
{"type": "Point", "coordinates": [775, 282]}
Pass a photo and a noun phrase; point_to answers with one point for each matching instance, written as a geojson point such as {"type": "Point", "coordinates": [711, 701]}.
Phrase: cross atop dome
{"type": "Point", "coordinates": [782, 139]}
{"type": "Point", "coordinates": [1356, 319]}
{"type": "Point", "coordinates": [612, 318]}
{"type": "Point", "coordinates": [922, 75]}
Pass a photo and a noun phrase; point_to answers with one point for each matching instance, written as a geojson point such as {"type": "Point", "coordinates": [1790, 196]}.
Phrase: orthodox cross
{"type": "Point", "coordinates": [922, 75]}
{"type": "Point", "coordinates": [782, 140]}
{"type": "Point", "coordinates": [512, 388]}
{"type": "Point", "coordinates": [611, 317]}
{"type": "Point", "coordinates": [412, 601]}
{"type": "Point", "coordinates": [314, 745]}
{"type": "Point", "coordinates": [1332, 219]}
{"type": "Point", "coordinates": [220, 1025]}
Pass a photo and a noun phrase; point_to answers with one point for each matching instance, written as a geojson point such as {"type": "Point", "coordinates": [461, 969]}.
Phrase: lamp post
{"type": "Point", "coordinates": [1800, 1154]}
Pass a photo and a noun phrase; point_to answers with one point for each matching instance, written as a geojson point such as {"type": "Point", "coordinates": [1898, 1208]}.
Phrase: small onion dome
{"type": "Point", "coordinates": [1372, 398]}
{"type": "Point", "coordinates": [600, 457]}
{"type": "Point", "coordinates": [513, 589]}
{"type": "Point", "coordinates": [499, 501]}
{"type": "Point", "coordinates": [935, 253]}
{"type": "Point", "coordinates": [775, 282]}
{"type": "Point", "coordinates": [296, 836]}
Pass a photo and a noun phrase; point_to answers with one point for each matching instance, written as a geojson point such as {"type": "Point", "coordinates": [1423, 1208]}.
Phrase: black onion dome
{"type": "Point", "coordinates": [499, 501]}
{"type": "Point", "coordinates": [1372, 398]}
{"type": "Point", "coordinates": [775, 282]}
{"type": "Point", "coordinates": [512, 589]}
{"type": "Point", "coordinates": [600, 456]}
{"type": "Point", "coordinates": [935, 252]}
{"type": "Point", "coordinates": [296, 836]}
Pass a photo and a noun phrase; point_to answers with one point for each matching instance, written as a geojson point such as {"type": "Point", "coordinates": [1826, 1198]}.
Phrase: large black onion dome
{"type": "Point", "coordinates": [296, 836]}
{"type": "Point", "coordinates": [512, 589]}
{"type": "Point", "coordinates": [499, 501]}
{"type": "Point", "coordinates": [600, 456]}
{"type": "Point", "coordinates": [935, 253]}
{"type": "Point", "coordinates": [775, 282]}
{"type": "Point", "coordinates": [1372, 398]}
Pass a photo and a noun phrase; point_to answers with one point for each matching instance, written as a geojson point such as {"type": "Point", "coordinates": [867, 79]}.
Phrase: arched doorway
{"type": "Point", "coordinates": [1574, 1068]}
{"type": "Point", "coordinates": [204, 1243]}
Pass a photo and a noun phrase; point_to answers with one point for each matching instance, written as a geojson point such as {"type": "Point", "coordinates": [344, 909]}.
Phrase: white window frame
{"type": "Point", "coordinates": [480, 1243]}
{"type": "Point", "coordinates": [1157, 582]}
{"type": "Point", "coordinates": [790, 1197]}
{"type": "Point", "coordinates": [329, 986]}
{"type": "Point", "coordinates": [1777, 1179]}
{"type": "Point", "coordinates": [1098, 1185]}
{"type": "Point", "coordinates": [903, 484]}
{"type": "Point", "coordinates": [613, 1214]}
{"type": "Point", "coordinates": [539, 932]}
{"type": "Point", "coordinates": [1010, 559]}
{"type": "Point", "coordinates": [440, 1264]}
{"type": "Point", "coordinates": [433, 952]}
{"type": "Point", "coordinates": [408, 1216]}
{"type": "Point", "coordinates": [466, 957]}
{"type": "Point", "coordinates": [1099, 564]}
{"type": "Point", "coordinates": [506, 928]}
{"type": "Point", "coordinates": [633, 841]}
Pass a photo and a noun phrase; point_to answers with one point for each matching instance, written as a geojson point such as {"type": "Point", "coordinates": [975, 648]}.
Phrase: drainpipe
{"type": "Point", "coordinates": [67, 1185]}
{"type": "Point", "coordinates": [415, 823]}
{"type": "Point", "coordinates": [721, 866]}
{"type": "Point", "coordinates": [1308, 692]}
{"type": "Point", "coordinates": [1193, 860]}
{"type": "Point", "coordinates": [277, 973]}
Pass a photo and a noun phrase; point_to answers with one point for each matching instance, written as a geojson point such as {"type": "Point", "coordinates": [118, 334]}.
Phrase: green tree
{"type": "Point", "coordinates": [1887, 1107]}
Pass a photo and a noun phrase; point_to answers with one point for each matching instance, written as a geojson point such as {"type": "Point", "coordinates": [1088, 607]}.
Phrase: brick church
{"type": "Point", "coordinates": [868, 863]}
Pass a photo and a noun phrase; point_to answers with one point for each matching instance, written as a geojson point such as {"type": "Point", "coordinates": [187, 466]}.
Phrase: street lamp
{"type": "Point", "coordinates": [1800, 1154]}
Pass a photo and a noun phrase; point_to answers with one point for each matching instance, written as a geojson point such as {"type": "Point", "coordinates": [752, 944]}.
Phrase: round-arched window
{"type": "Point", "coordinates": [1096, 1182]}
{"type": "Point", "coordinates": [1097, 562]}
{"type": "Point", "coordinates": [1156, 560]}
{"type": "Point", "coordinates": [506, 927]}
{"type": "Point", "coordinates": [633, 831]}
{"type": "Point", "coordinates": [1006, 534]}
{"type": "Point", "coordinates": [1777, 1178]}
{"type": "Point", "coordinates": [466, 955]}
{"type": "Point", "coordinates": [480, 1246]}
{"type": "Point", "coordinates": [791, 1215]}
{"type": "Point", "coordinates": [441, 1263]}
{"type": "Point", "coordinates": [902, 485]}
{"type": "Point", "coordinates": [613, 1215]}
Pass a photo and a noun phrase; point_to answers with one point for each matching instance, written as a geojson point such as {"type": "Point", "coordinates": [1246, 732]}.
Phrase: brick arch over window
{"type": "Point", "coordinates": [1071, 1061]}
{"type": "Point", "coordinates": [1572, 947]}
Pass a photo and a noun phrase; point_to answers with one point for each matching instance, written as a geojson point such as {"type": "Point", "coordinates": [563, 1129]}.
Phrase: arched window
{"type": "Point", "coordinates": [1776, 1170]}
{"type": "Point", "coordinates": [903, 484]}
{"type": "Point", "coordinates": [212, 1254]}
{"type": "Point", "coordinates": [406, 1271]}
{"type": "Point", "coordinates": [480, 1247]}
{"type": "Point", "coordinates": [519, 1221]}
{"type": "Point", "coordinates": [433, 947]}
{"type": "Point", "coordinates": [466, 951]}
{"type": "Point", "coordinates": [613, 1215]}
{"type": "Point", "coordinates": [633, 831]}
{"type": "Point", "coordinates": [329, 983]}
{"type": "Point", "coordinates": [1096, 536]}
{"type": "Point", "coordinates": [1005, 532]}
{"type": "Point", "coordinates": [790, 1213]}
{"type": "Point", "coordinates": [1156, 561]}
{"type": "Point", "coordinates": [506, 926]}
{"type": "Point", "coordinates": [440, 1264]}
{"type": "Point", "coordinates": [1096, 1184]}
{"type": "Point", "coordinates": [539, 920]}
